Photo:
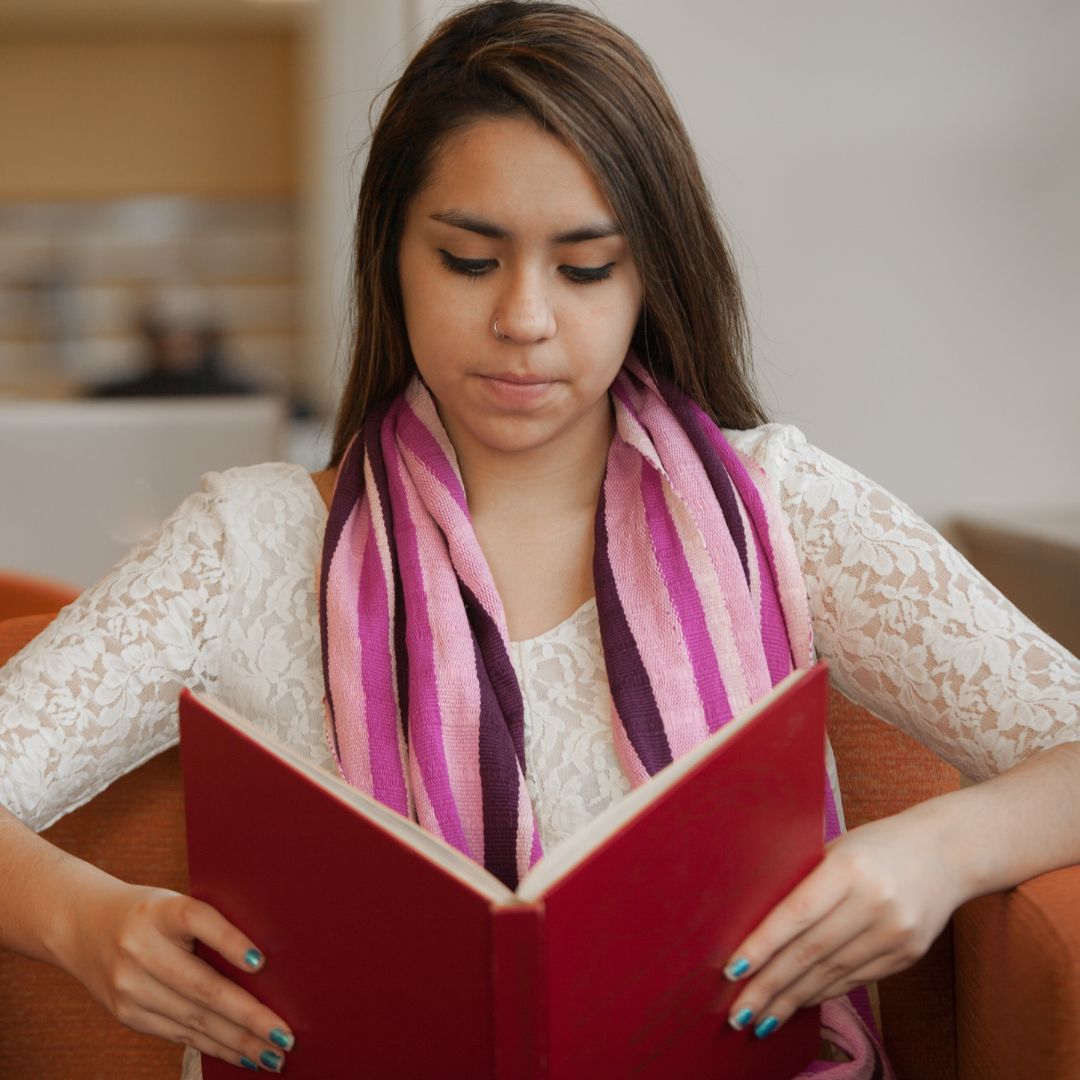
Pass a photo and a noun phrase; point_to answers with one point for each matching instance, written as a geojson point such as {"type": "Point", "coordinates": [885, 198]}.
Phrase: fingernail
{"type": "Point", "coordinates": [270, 1060]}
{"type": "Point", "coordinates": [253, 958]}
{"type": "Point", "coordinates": [279, 1038]}
{"type": "Point", "coordinates": [766, 1027]}
{"type": "Point", "coordinates": [249, 1064]}
{"type": "Point", "coordinates": [737, 970]}
{"type": "Point", "coordinates": [741, 1019]}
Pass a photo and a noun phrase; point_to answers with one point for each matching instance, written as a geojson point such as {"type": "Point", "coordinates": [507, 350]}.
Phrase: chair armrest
{"type": "Point", "coordinates": [52, 1028]}
{"type": "Point", "coordinates": [1018, 981]}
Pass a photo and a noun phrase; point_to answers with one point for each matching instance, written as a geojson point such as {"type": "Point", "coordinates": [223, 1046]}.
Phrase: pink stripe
{"type": "Point", "coordinates": [712, 597]}
{"type": "Point", "coordinates": [739, 613]}
{"type": "Point", "coordinates": [381, 539]}
{"type": "Point", "coordinates": [455, 678]}
{"type": "Point", "coordinates": [683, 591]}
{"type": "Point", "coordinates": [649, 612]}
{"type": "Point", "coordinates": [758, 678]}
{"type": "Point", "coordinates": [456, 525]}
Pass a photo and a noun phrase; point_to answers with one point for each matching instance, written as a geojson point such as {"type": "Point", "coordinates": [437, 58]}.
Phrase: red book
{"type": "Point", "coordinates": [391, 955]}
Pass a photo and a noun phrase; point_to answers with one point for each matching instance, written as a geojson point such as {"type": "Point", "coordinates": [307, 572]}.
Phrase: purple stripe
{"type": "Point", "coordinates": [500, 782]}
{"type": "Point", "coordinates": [498, 671]}
{"type": "Point", "coordinates": [425, 717]}
{"type": "Point", "coordinates": [347, 493]}
{"type": "Point", "coordinates": [413, 434]}
{"type": "Point", "coordinates": [627, 677]}
{"type": "Point", "coordinates": [502, 741]}
{"type": "Point", "coordinates": [681, 587]}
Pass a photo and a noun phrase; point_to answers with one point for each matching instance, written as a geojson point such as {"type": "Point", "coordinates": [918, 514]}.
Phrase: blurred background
{"type": "Point", "coordinates": [899, 183]}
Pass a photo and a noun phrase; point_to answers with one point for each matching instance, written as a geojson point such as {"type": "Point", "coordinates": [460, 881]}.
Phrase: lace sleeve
{"type": "Point", "coordinates": [94, 695]}
{"type": "Point", "coordinates": [913, 631]}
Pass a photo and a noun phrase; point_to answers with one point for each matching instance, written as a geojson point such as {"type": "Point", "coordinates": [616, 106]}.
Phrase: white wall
{"type": "Point", "coordinates": [900, 183]}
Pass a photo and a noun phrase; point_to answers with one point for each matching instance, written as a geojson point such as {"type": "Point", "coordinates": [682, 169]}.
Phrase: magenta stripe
{"type": "Point", "coordinates": [376, 673]}
{"type": "Point", "coordinates": [679, 579]}
{"type": "Point", "coordinates": [412, 433]}
{"type": "Point", "coordinates": [774, 635]}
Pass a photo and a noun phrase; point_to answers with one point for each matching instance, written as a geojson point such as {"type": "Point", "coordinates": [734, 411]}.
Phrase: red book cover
{"type": "Point", "coordinates": [391, 955]}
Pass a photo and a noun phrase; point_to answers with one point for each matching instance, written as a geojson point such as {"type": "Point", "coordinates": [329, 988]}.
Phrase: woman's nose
{"type": "Point", "coordinates": [526, 313]}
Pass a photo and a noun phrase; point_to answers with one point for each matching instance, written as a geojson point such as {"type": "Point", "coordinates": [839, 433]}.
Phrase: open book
{"type": "Point", "coordinates": [392, 955]}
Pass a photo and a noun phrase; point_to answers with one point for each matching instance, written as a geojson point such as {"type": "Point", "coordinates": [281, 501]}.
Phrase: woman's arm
{"type": "Point", "coordinates": [131, 947]}
{"type": "Point", "coordinates": [885, 890]}
{"type": "Point", "coordinates": [917, 635]}
{"type": "Point", "coordinates": [89, 699]}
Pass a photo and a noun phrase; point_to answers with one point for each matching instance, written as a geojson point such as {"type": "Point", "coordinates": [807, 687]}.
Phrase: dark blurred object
{"type": "Point", "coordinates": [182, 355]}
{"type": "Point", "coordinates": [1035, 562]}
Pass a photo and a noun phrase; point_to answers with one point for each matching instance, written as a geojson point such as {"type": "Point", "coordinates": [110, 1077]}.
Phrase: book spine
{"type": "Point", "coordinates": [519, 992]}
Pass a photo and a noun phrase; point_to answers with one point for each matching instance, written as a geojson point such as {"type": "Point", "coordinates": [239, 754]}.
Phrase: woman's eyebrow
{"type": "Point", "coordinates": [459, 219]}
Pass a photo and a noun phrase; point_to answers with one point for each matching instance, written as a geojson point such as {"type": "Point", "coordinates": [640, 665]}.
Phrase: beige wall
{"type": "Point", "coordinates": [90, 116]}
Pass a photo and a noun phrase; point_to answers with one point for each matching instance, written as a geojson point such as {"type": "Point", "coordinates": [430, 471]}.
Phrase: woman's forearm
{"type": "Point", "coordinates": [1013, 827]}
{"type": "Point", "coordinates": [41, 885]}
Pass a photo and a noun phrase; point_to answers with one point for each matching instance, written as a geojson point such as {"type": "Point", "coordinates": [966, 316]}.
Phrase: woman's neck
{"type": "Point", "coordinates": [548, 482]}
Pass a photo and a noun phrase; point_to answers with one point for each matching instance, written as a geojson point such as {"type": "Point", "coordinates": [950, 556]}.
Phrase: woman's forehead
{"type": "Point", "coordinates": [509, 169]}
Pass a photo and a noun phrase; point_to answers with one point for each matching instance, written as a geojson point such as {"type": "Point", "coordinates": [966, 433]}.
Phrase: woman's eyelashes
{"type": "Point", "coordinates": [579, 275]}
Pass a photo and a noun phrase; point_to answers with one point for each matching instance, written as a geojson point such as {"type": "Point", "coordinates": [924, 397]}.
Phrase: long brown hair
{"type": "Point", "coordinates": [586, 83]}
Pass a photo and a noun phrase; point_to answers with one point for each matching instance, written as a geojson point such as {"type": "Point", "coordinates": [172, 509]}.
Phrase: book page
{"type": "Point", "coordinates": [552, 866]}
{"type": "Point", "coordinates": [574, 849]}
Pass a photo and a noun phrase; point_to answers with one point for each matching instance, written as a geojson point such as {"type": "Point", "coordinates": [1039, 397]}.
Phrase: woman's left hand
{"type": "Point", "coordinates": [870, 908]}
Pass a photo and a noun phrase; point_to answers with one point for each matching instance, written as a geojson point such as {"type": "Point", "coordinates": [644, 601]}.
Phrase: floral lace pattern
{"type": "Point", "coordinates": [223, 599]}
{"type": "Point", "coordinates": [913, 631]}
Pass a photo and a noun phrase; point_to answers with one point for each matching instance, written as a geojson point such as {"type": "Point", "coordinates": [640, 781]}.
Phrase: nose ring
{"type": "Point", "coordinates": [497, 332]}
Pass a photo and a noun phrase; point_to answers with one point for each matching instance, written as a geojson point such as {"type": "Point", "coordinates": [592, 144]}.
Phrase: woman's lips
{"type": "Point", "coordinates": [516, 390]}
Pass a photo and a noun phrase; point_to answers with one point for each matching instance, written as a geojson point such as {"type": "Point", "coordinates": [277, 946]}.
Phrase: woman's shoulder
{"type": "Point", "coordinates": [775, 447]}
{"type": "Point", "coordinates": [278, 482]}
{"type": "Point", "coordinates": [272, 503]}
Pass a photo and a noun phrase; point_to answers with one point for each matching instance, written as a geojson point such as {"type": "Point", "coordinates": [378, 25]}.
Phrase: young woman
{"type": "Point", "coordinates": [550, 469]}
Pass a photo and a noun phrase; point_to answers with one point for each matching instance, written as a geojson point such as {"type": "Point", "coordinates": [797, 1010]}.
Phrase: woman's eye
{"type": "Point", "coordinates": [583, 275]}
{"type": "Point", "coordinates": [468, 267]}
{"type": "Point", "coordinates": [579, 275]}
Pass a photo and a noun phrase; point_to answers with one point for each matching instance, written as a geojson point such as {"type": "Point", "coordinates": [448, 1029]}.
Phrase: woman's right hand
{"type": "Point", "coordinates": [132, 947]}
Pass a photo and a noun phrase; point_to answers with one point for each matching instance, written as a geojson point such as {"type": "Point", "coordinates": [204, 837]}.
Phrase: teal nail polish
{"type": "Point", "coordinates": [253, 958]}
{"type": "Point", "coordinates": [270, 1059]}
{"type": "Point", "coordinates": [249, 1064]}
{"type": "Point", "coordinates": [279, 1038]}
{"type": "Point", "coordinates": [742, 1018]}
{"type": "Point", "coordinates": [766, 1027]}
{"type": "Point", "coordinates": [738, 969]}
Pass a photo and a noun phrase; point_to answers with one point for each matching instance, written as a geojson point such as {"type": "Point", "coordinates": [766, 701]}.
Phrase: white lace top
{"type": "Point", "coordinates": [223, 598]}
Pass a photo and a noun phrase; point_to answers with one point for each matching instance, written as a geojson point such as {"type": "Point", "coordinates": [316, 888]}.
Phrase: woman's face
{"type": "Point", "coordinates": [513, 227]}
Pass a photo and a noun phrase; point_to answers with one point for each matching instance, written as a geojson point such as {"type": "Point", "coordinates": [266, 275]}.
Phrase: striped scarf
{"type": "Point", "coordinates": [701, 604]}
{"type": "Point", "coordinates": [699, 593]}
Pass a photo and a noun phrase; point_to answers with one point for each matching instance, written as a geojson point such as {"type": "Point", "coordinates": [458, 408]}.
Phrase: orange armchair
{"type": "Point", "coordinates": [24, 594]}
{"type": "Point", "coordinates": [996, 998]}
